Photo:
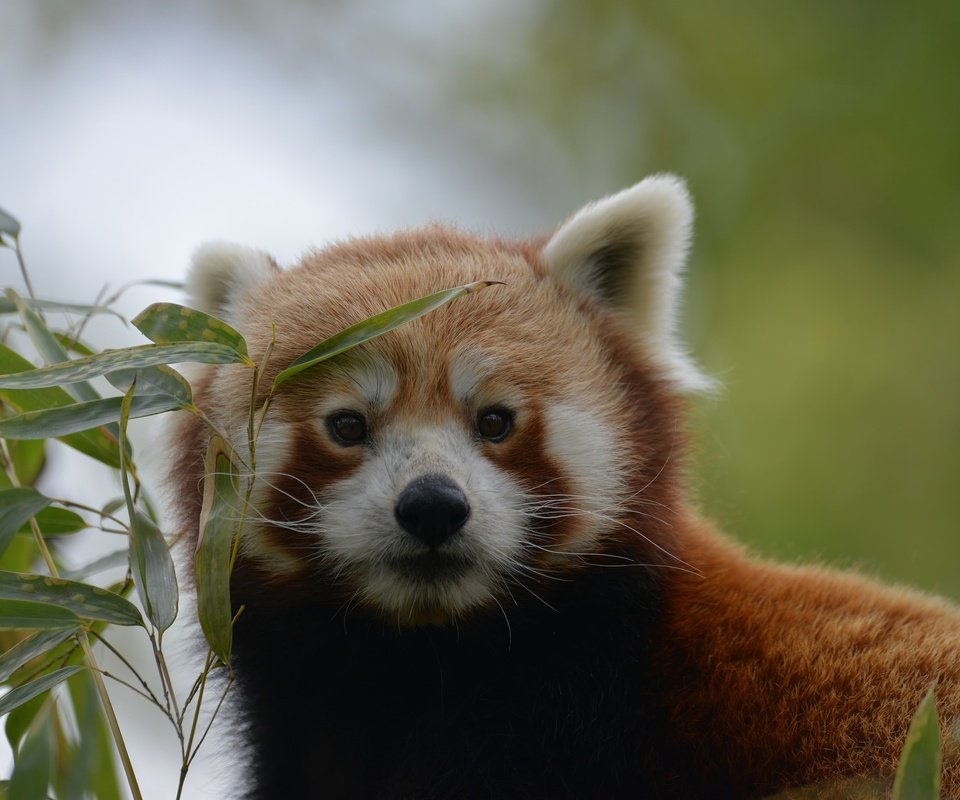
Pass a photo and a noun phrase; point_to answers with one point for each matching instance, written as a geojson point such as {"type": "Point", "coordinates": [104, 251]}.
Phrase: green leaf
{"type": "Point", "coordinates": [69, 343]}
{"type": "Point", "coordinates": [160, 380]}
{"type": "Point", "coordinates": [20, 556]}
{"type": "Point", "coordinates": [375, 326]}
{"type": "Point", "coordinates": [918, 774]}
{"type": "Point", "coordinates": [30, 616]}
{"type": "Point", "coordinates": [8, 224]}
{"type": "Point", "coordinates": [92, 771]}
{"type": "Point", "coordinates": [20, 695]}
{"type": "Point", "coordinates": [17, 506]}
{"type": "Point", "coordinates": [118, 558]}
{"type": "Point", "coordinates": [35, 645]}
{"type": "Point", "coordinates": [212, 563]}
{"type": "Point", "coordinates": [7, 306]}
{"type": "Point", "coordinates": [147, 355]}
{"type": "Point", "coordinates": [54, 521]}
{"type": "Point", "coordinates": [153, 572]}
{"type": "Point", "coordinates": [34, 762]}
{"type": "Point", "coordinates": [166, 323]}
{"type": "Point", "coordinates": [113, 506]}
{"type": "Point", "coordinates": [47, 345]}
{"type": "Point", "coordinates": [98, 444]}
{"type": "Point", "coordinates": [29, 457]}
{"type": "Point", "coordinates": [60, 422]}
{"type": "Point", "coordinates": [84, 600]}
{"type": "Point", "coordinates": [150, 560]}
{"type": "Point", "coordinates": [20, 719]}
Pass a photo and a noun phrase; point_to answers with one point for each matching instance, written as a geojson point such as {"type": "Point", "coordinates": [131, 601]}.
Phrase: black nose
{"type": "Point", "coordinates": [432, 508]}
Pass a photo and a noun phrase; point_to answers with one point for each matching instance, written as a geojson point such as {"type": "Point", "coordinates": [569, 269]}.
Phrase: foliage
{"type": "Point", "coordinates": [47, 618]}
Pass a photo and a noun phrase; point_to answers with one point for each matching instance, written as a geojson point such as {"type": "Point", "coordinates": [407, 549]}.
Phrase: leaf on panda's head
{"type": "Point", "coordinates": [918, 774]}
{"type": "Point", "coordinates": [166, 323]}
{"type": "Point", "coordinates": [377, 325]}
{"type": "Point", "coordinates": [219, 524]}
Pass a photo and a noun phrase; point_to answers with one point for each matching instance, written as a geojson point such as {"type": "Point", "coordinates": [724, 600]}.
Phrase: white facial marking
{"type": "Point", "coordinates": [272, 452]}
{"type": "Point", "coordinates": [468, 370]}
{"type": "Point", "coordinates": [368, 380]}
{"type": "Point", "coordinates": [592, 461]}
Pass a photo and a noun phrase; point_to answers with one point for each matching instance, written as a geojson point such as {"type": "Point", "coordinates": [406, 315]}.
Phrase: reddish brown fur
{"type": "Point", "coordinates": [793, 676]}
{"type": "Point", "coordinates": [771, 676]}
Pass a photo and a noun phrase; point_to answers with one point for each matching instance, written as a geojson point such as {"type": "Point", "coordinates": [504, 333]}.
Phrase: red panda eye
{"type": "Point", "coordinates": [347, 428]}
{"type": "Point", "coordinates": [494, 424]}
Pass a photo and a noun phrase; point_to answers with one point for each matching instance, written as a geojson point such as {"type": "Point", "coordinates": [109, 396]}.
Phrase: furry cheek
{"type": "Point", "coordinates": [593, 463]}
{"type": "Point", "coordinates": [295, 468]}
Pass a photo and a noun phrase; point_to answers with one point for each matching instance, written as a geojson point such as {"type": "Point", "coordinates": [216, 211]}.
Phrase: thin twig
{"type": "Point", "coordinates": [23, 271]}
{"type": "Point", "coordinates": [216, 711]}
{"type": "Point", "coordinates": [185, 765]}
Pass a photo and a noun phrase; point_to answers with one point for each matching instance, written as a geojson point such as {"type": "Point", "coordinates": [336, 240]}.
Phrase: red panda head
{"type": "Point", "coordinates": [477, 456]}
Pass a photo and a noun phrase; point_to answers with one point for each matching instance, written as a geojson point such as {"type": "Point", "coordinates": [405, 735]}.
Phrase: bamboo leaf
{"type": "Point", "coordinates": [72, 344]}
{"type": "Point", "coordinates": [83, 600]}
{"type": "Point", "coordinates": [8, 224]}
{"type": "Point", "coordinates": [113, 506]}
{"type": "Point", "coordinates": [153, 572]}
{"type": "Point", "coordinates": [376, 326]}
{"type": "Point", "coordinates": [47, 345]}
{"type": "Point", "coordinates": [147, 355]}
{"type": "Point", "coordinates": [92, 771]}
{"type": "Point", "coordinates": [150, 560]}
{"type": "Point", "coordinates": [7, 306]}
{"type": "Point", "coordinates": [166, 323]}
{"type": "Point", "coordinates": [17, 506]}
{"type": "Point", "coordinates": [98, 444]}
{"type": "Point", "coordinates": [33, 765]}
{"type": "Point", "coordinates": [918, 774]}
{"type": "Point", "coordinates": [54, 521]}
{"type": "Point", "coordinates": [19, 721]}
{"type": "Point", "coordinates": [118, 558]}
{"type": "Point", "coordinates": [218, 530]}
{"type": "Point", "coordinates": [29, 457]}
{"type": "Point", "coordinates": [21, 694]}
{"type": "Point", "coordinates": [160, 380]}
{"type": "Point", "coordinates": [78, 417]}
{"type": "Point", "coordinates": [30, 616]}
{"type": "Point", "coordinates": [26, 650]}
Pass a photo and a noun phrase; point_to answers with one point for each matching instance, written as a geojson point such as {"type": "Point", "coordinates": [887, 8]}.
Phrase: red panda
{"type": "Point", "coordinates": [474, 570]}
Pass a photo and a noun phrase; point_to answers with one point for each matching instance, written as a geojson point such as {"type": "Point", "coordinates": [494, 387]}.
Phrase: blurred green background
{"type": "Point", "coordinates": [821, 141]}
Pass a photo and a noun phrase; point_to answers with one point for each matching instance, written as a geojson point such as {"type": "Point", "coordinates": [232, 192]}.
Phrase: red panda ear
{"type": "Point", "coordinates": [222, 273]}
{"type": "Point", "coordinates": [628, 250]}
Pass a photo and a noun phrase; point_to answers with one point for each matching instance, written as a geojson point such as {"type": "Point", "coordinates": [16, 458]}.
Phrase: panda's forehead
{"type": "Point", "coordinates": [390, 378]}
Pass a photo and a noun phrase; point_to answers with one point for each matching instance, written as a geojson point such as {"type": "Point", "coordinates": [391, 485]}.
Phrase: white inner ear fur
{"type": "Point", "coordinates": [222, 273]}
{"type": "Point", "coordinates": [629, 249]}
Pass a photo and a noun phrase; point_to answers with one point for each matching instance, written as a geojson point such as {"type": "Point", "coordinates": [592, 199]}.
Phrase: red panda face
{"type": "Point", "coordinates": [469, 459]}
